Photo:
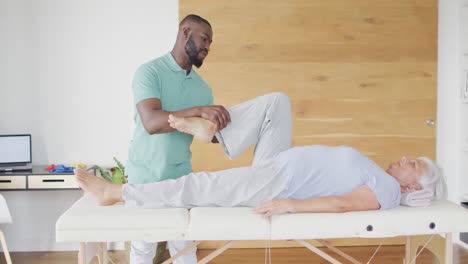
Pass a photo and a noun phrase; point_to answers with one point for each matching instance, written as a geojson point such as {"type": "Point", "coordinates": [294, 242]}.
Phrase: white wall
{"type": "Point", "coordinates": [65, 77]}
{"type": "Point", "coordinates": [16, 105]}
{"type": "Point", "coordinates": [452, 115]}
{"type": "Point", "coordinates": [448, 108]}
{"type": "Point", "coordinates": [87, 52]}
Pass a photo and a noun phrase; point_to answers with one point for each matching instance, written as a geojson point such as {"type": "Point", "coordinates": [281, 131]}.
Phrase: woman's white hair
{"type": "Point", "coordinates": [433, 179]}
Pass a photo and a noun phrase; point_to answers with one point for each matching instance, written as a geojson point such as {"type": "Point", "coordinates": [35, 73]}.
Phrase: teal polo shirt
{"type": "Point", "coordinates": [158, 157]}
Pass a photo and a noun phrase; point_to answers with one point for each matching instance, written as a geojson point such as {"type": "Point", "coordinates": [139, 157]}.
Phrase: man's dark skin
{"type": "Point", "coordinates": [191, 48]}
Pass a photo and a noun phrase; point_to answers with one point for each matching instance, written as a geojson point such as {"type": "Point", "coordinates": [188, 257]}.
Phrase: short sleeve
{"type": "Point", "coordinates": [385, 188]}
{"type": "Point", "coordinates": [146, 84]}
{"type": "Point", "coordinates": [210, 100]}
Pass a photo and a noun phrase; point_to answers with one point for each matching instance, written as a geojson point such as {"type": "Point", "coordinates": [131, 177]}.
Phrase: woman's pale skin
{"type": "Point", "coordinates": [406, 171]}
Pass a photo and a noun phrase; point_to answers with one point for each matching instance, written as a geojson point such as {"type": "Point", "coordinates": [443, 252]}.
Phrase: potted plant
{"type": "Point", "coordinates": [114, 174]}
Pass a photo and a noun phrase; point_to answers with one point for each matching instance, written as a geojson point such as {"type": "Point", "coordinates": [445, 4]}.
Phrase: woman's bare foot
{"type": "Point", "coordinates": [106, 193]}
{"type": "Point", "coordinates": [200, 128]}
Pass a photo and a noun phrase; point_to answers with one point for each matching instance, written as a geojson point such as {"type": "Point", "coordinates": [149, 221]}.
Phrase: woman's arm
{"type": "Point", "coordinates": [360, 199]}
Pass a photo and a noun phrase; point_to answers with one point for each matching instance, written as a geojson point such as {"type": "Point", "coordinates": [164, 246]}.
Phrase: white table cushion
{"type": "Point", "coordinates": [218, 223]}
{"type": "Point", "coordinates": [5, 216]}
{"type": "Point", "coordinates": [441, 217]}
{"type": "Point", "coordinates": [85, 221]}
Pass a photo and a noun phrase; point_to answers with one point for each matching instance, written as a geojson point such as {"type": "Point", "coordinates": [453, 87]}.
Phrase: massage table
{"type": "Point", "coordinates": [89, 224]}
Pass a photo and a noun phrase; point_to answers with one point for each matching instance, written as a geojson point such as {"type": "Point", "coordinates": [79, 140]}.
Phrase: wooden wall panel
{"type": "Point", "coordinates": [359, 73]}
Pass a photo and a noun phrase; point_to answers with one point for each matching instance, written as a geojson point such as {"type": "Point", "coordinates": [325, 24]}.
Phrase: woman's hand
{"type": "Point", "coordinates": [272, 207]}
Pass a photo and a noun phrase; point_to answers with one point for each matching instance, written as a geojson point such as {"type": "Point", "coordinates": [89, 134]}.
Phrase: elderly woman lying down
{"type": "Point", "coordinates": [281, 178]}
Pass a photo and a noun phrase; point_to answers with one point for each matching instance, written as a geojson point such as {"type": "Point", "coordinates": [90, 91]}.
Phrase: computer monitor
{"type": "Point", "coordinates": [15, 149]}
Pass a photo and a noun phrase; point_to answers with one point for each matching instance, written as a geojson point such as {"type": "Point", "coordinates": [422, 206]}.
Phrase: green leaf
{"type": "Point", "coordinates": [105, 174]}
{"type": "Point", "coordinates": [120, 165]}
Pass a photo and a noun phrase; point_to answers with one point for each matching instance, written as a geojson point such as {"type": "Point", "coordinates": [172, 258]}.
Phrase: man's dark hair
{"type": "Point", "coordinates": [194, 18]}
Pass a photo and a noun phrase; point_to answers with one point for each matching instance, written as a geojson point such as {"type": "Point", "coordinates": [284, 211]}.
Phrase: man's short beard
{"type": "Point", "coordinates": [192, 52]}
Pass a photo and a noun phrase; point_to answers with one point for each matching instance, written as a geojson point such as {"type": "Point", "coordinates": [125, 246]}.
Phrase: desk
{"type": "Point", "coordinates": [36, 179]}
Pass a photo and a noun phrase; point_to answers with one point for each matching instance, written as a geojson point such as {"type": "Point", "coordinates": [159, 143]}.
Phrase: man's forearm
{"type": "Point", "coordinates": [158, 121]}
{"type": "Point", "coordinates": [155, 120]}
{"type": "Point", "coordinates": [359, 199]}
{"type": "Point", "coordinates": [327, 204]}
{"type": "Point", "coordinates": [188, 112]}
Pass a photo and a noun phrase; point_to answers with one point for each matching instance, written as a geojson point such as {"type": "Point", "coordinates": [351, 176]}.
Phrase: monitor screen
{"type": "Point", "coordinates": [15, 148]}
